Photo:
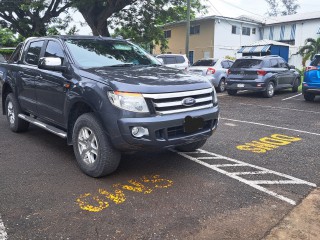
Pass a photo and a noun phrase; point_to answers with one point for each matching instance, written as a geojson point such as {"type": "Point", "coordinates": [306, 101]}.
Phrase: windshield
{"type": "Point", "coordinates": [205, 62]}
{"type": "Point", "coordinates": [90, 53]}
{"type": "Point", "coordinates": [247, 63]}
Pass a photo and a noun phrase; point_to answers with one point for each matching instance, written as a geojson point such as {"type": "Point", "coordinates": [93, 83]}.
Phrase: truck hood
{"type": "Point", "coordinates": [146, 79]}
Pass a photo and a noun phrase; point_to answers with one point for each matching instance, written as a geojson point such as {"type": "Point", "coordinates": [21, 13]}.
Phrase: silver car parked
{"type": "Point", "coordinates": [215, 70]}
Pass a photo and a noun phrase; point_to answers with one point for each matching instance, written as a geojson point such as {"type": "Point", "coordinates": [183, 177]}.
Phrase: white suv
{"type": "Point", "coordinates": [178, 61]}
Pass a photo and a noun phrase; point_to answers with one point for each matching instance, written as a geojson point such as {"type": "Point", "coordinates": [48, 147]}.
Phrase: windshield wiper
{"type": "Point", "coordinates": [122, 65]}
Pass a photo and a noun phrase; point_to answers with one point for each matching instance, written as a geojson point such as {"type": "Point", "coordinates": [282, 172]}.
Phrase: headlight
{"type": "Point", "coordinates": [214, 97]}
{"type": "Point", "coordinates": [133, 102]}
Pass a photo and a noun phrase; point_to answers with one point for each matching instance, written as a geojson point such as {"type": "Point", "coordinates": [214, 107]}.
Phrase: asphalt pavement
{"type": "Point", "coordinates": [256, 169]}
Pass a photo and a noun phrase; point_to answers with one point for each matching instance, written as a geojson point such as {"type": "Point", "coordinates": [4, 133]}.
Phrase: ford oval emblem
{"type": "Point", "coordinates": [188, 101]}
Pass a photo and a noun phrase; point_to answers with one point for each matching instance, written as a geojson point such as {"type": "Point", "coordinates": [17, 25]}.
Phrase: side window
{"type": "Point", "coordinates": [33, 53]}
{"type": "Point", "coordinates": [230, 63]}
{"type": "Point", "coordinates": [266, 64]}
{"type": "Point", "coordinates": [16, 54]}
{"type": "Point", "coordinates": [54, 50]}
{"type": "Point", "coordinates": [180, 59]}
{"type": "Point", "coordinates": [274, 63]}
{"type": "Point", "coordinates": [224, 64]}
{"type": "Point", "coordinates": [282, 64]}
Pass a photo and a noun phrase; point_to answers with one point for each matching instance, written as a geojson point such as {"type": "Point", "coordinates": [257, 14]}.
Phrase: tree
{"type": "Point", "coordinates": [97, 13]}
{"type": "Point", "coordinates": [143, 22]}
{"type": "Point", "coordinates": [101, 15]}
{"type": "Point", "coordinates": [310, 49]}
{"type": "Point", "coordinates": [289, 7]}
{"type": "Point", "coordinates": [34, 18]}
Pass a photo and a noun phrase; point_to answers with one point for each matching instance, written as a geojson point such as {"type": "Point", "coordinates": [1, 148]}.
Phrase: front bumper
{"type": "Point", "coordinates": [165, 131]}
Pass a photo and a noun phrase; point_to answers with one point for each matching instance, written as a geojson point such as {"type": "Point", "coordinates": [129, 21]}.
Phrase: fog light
{"type": "Point", "coordinates": [139, 132]}
{"type": "Point", "coordinates": [259, 84]}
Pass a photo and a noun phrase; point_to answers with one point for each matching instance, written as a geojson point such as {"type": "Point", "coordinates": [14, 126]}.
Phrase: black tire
{"type": "Point", "coordinates": [309, 97]}
{"type": "Point", "coordinates": [12, 109]}
{"type": "Point", "coordinates": [232, 92]}
{"type": "Point", "coordinates": [190, 147]}
{"type": "Point", "coordinates": [106, 159]}
{"type": "Point", "coordinates": [222, 85]}
{"type": "Point", "coordinates": [296, 85]}
{"type": "Point", "coordinates": [269, 92]}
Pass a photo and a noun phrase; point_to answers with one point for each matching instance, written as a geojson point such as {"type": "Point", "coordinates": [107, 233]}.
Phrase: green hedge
{"type": "Point", "coordinates": [6, 51]}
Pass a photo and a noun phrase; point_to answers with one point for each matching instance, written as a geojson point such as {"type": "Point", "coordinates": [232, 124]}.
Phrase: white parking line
{"type": "Point", "coordinates": [3, 233]}
{"type": "Point", "coordinates": [271, 126]}
{"type": "Point", "coordinates": [222, 168]}
{"type": "Point", "coordinates": [292, 97]}
{"type": "Point", "coordinates": [280, 108]}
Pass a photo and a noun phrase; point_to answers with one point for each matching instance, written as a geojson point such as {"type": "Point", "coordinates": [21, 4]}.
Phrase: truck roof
{"type": "Point", "coordinates": [64, 37]}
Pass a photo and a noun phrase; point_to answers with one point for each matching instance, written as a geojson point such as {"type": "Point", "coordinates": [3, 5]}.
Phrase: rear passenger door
{"type": "Point", "coordinates": [27, 76]}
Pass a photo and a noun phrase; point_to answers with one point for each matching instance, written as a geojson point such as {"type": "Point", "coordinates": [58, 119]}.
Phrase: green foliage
{"type": "Point", "coordinates": [310, 49]}
{"type": "Point", "coordinates": [142, 22]}
{"type": "Point", "coordinates": [35, 17]}
{"type": "Point", "coordinates": [289, 7]}
{"type": "Point", "coordinates": [6, 51]}
{"type": "Point", "coordinates": [230, 58]}
{"type": "Point", "coordinates": [7, 38]}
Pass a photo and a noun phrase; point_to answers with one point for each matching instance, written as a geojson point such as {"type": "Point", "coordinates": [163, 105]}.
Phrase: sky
{"type": "Point", "coordinates": [228, 8]}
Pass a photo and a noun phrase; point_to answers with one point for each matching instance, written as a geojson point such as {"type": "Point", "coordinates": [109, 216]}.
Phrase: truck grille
{"type": "Point", "coordinates": [169, 103]}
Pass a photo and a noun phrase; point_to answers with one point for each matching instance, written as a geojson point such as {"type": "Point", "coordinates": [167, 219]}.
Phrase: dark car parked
{"type": "Point", "coordinates": [311, 83]}
{"type": "Point", "coordinates": [105, 96]}
{"type": "Point", "coordinates": [264, 74]}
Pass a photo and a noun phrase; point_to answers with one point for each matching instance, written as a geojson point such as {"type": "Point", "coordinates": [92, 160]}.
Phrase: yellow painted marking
{"type": "Point", "coordinates": [118, 196]}
{"type": "Point", "coordinates": [84, 203]}
{"type": "Point", "coordinates": [98, 202]}
{"type": "Point", "coordinates": [268, 143]}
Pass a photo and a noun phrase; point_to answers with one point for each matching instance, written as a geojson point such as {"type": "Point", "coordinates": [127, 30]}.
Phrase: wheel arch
{"type": "Point", "coordinates": [76, 109]}
{"type": "Point", "coordinates": [6, 89]}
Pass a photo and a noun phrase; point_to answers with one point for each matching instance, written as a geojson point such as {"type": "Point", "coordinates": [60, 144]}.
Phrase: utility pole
{"type": "Point", "coordinates": [188, 29]}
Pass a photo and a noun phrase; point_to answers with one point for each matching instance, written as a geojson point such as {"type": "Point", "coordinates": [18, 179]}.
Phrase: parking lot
{"type": "Point", "coordinates": [261, 162]}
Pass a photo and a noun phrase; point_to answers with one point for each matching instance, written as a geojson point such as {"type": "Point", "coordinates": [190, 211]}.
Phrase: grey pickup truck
{"type": "Point", "coordinates": [105, 96]}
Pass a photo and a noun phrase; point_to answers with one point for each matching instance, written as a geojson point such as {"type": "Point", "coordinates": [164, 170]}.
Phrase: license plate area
{"type": "Point", "coordinates": [193, 124]}
{"type": "Point", "coordinates": [240, 85]}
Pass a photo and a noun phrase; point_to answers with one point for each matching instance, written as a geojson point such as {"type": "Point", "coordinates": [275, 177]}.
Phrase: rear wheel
{"type": "Point", "coordinates": [222, 85]}
{"type": "Point", "coordinates": [269, 92]}
{"type": "Point", "coordinates": [13, 109]}
{"type": "Point", "coordinates": [309, 97]}
{"type": "Point", "coordinates": [191, 146]}
{"type": "Point", "coordinates": [94, 153]}
{"type": "Point", "coordinates": [232, 92]}
{"type": "Point", "coordinates": [296, 85]}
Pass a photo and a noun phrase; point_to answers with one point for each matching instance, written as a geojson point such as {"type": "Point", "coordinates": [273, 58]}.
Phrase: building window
{"type": "Point", "coordinates": [195, 29]}
{"type": "Point", "coordinates": [246, 31]}
{"type": "Point", "coordinates": [253, 30]}
{"type": "Point", "coordinates": [234, 29]}
{"type": "Point", "coordinates": [167, 34]}
{"type": "Point", "coordinates": [318, 31]}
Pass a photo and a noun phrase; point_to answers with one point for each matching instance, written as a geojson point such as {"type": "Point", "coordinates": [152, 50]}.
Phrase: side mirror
{"type": "Point", "coordinates": [51, 63]}
{"type": "Point", "coordinates": [292, 67]}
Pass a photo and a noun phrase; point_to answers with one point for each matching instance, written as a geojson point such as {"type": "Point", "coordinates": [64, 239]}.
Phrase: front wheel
{"type": "Point", "coordinates": [309, 97]}
{"type": "Point", "coordinates": [12, 108]}
{"type": "Point", "coordinates": [232, 92]}
{"type": "Point", "coordinates": [94, 153]}
{"type": "Point", "coordinates": [269, 92]}
{"type": "Point", "coordinates": [222, 85]}
{"type": "Point", "coordinates": [191, 147]}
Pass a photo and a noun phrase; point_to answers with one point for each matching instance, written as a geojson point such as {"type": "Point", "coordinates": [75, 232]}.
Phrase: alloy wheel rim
{"type": "Point", "coordinates": [270, 90]}
{"type": "Point", "coordinates": [11, 113]}
{"type": "Point", "coordinates": [88, 146]}
{"type": "Point", "coordinates": [222, 85]}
